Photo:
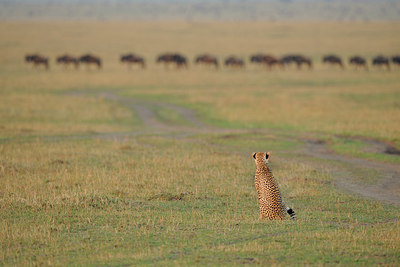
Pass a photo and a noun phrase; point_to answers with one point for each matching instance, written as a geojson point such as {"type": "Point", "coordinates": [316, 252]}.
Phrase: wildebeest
{"type": "Point", "coordinates": [381, 61]}
{"type": "Point", "coordinates": [396, 59]}
{"type": "Point", "coordinates": [288, 59]}
{"type": "Point", "coordinates": [266, 60]}
{"type": "Point", "coordinates": [358, 61]}
{"type": "Point", "coordinates": [30, 57]}
{"type": "Point", "coordinates": [133, 59]}
{"type": "Point", "coordinates": [271, 61]}
{"type": "Point", "coordinates": [206, 60]}
{"type": "Point", "coordinates": [333, 60]}
{"type": "Point", "coordinates": [234, 62]}
{"type": "Point", "coordinates": [90, 59]}
{"type": "Point", "coordinates": [299, 60]}
{"type": "Point", "coordinates": [257, 58]}
{"type": "Point", "coordinates": [67, 59]}
{"type": "Point", "coordinates": [172, 58]}
{"type": "Point", "coordinates": [37, 60]}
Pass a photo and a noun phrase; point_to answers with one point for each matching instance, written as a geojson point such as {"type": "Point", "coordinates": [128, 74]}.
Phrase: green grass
{"type": "Point", "coordinates": [113, 204]}
{"type": "Point", "coordinates": [84, 181]}
{"type": "Point", "coordinates": [253, 141]}
{"type": "Point", "coordinates": [170, 116]}
{"type": "Point", "coordinates": [360, 149]}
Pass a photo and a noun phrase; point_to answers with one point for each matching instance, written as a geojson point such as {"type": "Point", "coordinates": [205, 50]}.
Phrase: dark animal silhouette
{"type": "Point", "coordinates": [131, 59]}
{"type": "Point", "coordinates": [381, 61]}
{"type": "Point", "coordinates": [358, 62]}
{"type": "Point", "coordinates": [288, 59]}
{"type": "Point", "coordinates": [67, 59]}
{"type": "Point", "coordinates": [302, 60]}
{"type": "Point", "coordinates": [172, 58]}
{"type": "Point", "coordinates": [396, 59]}
{"type": "Point", "coordinates": [37, 60]}
{"type": "Point", "coordinates": [90, 59]}
{"type": "Point", "coordinates": [234, 62]}
{"type": "Point", "coordinates": [333, 60]}
{"type": "Point", "coordinates": [266, 60]}
{"type": "Point", "coordinates": [298, 60]}
{"type": "Point", "coordinates": [271, 61]}
{"type": "Point", "coordinates": [206, 59]}
{"type": "Point", "coordinates": [257, 58]}
{"type": "Point", "coordinates": [29, 58]}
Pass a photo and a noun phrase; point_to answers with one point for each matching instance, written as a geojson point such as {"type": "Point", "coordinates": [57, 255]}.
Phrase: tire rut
{"type": "Point", "coordinates": [385, 188]}
{"type": "Point", "coordinates": [146, 113]}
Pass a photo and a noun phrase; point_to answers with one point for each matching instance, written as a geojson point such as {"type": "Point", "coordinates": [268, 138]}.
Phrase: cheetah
{"type": "Point", "coordinates": [269, 196]}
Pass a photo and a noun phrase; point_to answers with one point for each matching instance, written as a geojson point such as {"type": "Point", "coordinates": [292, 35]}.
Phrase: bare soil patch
{"type": "Point", "coordinates": [387, 185]}
{"type": "Point", "coordinates": [343, 169]}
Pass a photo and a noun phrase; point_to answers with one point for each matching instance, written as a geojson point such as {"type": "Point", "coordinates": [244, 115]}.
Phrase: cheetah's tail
{"type": "Point", "coordinates": [291, 213]}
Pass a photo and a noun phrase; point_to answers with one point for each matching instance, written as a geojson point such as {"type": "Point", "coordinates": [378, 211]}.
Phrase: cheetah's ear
{"type": "Point", "coordinates": [266, 155]}
{"type": "Point", "coordinates": [254, 155]}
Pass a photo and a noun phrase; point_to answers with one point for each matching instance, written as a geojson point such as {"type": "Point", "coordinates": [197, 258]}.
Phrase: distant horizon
{"type": "Point", "coordinates": [201, 10]}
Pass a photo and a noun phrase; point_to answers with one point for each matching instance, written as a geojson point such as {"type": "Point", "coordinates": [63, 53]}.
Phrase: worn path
{"type": "Point", "coordinates": [347, 176]}
{"type": "Point", "coordinates": [344, 169]}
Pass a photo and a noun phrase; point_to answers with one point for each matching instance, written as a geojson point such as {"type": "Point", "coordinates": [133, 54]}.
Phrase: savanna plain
{"type": "Point", "coordinates": [123, 166]}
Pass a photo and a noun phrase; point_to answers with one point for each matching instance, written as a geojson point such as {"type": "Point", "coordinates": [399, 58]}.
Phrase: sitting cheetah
{"type": "Point", "coordinates": [269, 197]}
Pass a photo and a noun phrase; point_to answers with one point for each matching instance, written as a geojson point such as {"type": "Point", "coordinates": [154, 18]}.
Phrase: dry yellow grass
{"type": "Point", "coordinates": [329, 100]}
{"type": "Point", "coordinates": [47, 114]}
{"type": "Point", "coordinates": [110, 39]}
{"type": "Point", "coordinates": [68, 196]}
{"type": "Point", "coordinates": [106, 201]}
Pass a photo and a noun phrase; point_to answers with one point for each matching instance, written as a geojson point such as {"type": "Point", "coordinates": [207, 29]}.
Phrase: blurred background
{"type": "Point", "coordinates": [106, 164]}
{"type": "Point", "coordinates": [233, 10]}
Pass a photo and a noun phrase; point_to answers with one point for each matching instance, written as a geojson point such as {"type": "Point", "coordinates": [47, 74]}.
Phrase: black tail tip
{"type": "Point", "coordinates": [291, 213]}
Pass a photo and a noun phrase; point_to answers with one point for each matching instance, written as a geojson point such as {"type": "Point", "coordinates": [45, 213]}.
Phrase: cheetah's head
{"type": "Point", "coordinates": [261, 157]}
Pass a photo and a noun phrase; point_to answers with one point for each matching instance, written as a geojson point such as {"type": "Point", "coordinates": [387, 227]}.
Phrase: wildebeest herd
{"type": "Point", "coordinates": [179, 61]}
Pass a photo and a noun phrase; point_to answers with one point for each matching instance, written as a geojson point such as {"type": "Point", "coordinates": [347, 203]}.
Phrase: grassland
{"type": "Point", "coordinates": [110, 167]}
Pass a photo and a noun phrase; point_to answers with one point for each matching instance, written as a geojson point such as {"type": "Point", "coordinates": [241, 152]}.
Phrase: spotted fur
{"type": "Point", "coordinates": [269, 196]}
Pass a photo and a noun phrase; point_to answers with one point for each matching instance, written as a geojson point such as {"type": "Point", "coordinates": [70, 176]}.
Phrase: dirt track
{"type": "Point", "coordinates": [344, 169]}
{"type": "Point", "coordinates": [145, 111]}
{"type": "Point", "coordinates": [384, 188]}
